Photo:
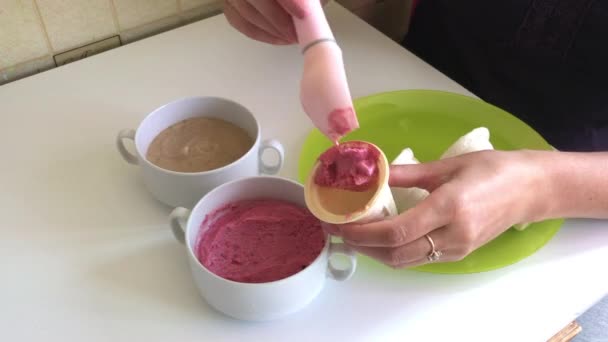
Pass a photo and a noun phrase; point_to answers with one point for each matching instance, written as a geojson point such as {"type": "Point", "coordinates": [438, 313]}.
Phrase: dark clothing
{"type": "Point", "coordinates": [544, 61]}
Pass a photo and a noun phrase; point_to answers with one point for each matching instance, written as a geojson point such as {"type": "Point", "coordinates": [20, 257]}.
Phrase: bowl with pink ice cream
{"type": "Point", "coordinates": [255, 251]}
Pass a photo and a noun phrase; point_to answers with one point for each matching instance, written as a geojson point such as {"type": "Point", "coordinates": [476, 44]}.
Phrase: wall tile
{"type": "Point", "coordinates": [21, 35]}
{"type": "Point", "coordinates": [190, 4]}
{"type": "Point", "coordinates": [132, 13]}
{"type": "Point", "coordinates": [26, 69]}
{"type": "Point", "coordinates": [72, 23]}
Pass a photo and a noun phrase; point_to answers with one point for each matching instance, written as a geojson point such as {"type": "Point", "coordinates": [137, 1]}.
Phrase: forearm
{"type": "Point", "coordinates": [577, 184]}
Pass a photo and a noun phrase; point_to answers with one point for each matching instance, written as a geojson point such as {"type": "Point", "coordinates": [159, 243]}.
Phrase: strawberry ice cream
{"type": "Point", "coordinates": [349, 166]}
{"type": "Point", "coordinates": [257, 241]}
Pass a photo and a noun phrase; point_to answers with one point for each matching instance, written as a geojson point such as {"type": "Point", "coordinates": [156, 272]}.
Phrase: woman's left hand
{"type": "Point", "coordinates": [473, 198]}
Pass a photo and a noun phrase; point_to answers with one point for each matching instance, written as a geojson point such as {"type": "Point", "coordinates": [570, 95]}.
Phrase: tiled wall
{"type": "Point", "coordinates": [33, 32]}
{"type": "Point", "coordinates": [37, 35]}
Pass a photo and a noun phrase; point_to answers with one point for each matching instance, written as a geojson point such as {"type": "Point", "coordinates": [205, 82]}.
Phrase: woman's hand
{"type": "Point", "coordinates": [267, 21]}
{"type": "Point", "coordinates": [473, 198]}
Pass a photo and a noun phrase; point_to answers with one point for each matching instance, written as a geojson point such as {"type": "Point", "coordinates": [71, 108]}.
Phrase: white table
{"type": "Point", "coordinates": [86, 254]}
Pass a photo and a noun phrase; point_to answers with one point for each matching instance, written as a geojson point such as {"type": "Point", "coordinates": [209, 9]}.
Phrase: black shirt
{"type": "Point", "coordinates": [544, 61]}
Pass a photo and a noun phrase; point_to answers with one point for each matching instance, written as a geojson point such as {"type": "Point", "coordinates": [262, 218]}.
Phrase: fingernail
{"type": "Point", "coordinates": [330, 229]}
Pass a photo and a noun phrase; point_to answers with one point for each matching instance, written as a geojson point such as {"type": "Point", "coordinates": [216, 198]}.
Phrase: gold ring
{"type": "Point", "coordinates": [434, 255]}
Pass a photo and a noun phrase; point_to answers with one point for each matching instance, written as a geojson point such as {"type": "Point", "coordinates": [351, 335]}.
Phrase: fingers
{"type": "Point", "coordinates": [432, 213]}
{"type": "Point", "coordinates": [251, 14]}
{"type": "Point", "coordinates": [428, 176]}
{"type": "Point", "coordinates": [295, 8]}
{"type": "Point", "coordinates": [414, 253]}
{"type": "Point", "coordinates": [278, 18]}
{"type": "Point", "coordinates": [252, 31]}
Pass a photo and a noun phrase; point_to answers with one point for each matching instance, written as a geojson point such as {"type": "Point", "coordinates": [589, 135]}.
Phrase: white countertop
{"type": "Point", "coordinates": [86, 253]}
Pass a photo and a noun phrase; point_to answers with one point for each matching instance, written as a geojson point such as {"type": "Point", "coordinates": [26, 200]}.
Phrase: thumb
{"type": "Point", "coordinates": [428, 176]}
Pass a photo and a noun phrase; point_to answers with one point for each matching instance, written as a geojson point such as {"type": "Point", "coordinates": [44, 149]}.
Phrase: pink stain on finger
{"type": "Point", "coordinates": [341, 122]}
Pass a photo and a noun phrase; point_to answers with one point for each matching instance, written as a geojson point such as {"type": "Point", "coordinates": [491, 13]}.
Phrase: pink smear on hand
{"type": "Point", "coordinates": [258, 241]}
{"type": "Point", "coordinates": [350, 166]}
{"type": "Point", "coordinates": [341, 122]}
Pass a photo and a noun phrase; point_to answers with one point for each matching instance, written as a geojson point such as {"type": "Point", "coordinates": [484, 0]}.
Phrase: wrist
{"type": "Point", "coordinates": [552, 196]}
{"type": "Point", "coordinates": [543, 170]}
{"type": "Point", "coordinates": [574, 184]}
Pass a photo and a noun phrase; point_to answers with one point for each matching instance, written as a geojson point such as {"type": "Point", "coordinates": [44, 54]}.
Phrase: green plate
{"type": "Point", "coordinates": [429, 122]}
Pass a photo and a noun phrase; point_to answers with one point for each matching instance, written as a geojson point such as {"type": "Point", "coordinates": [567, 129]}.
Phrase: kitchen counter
{"type": "Point", "coordinates": [87, 255]}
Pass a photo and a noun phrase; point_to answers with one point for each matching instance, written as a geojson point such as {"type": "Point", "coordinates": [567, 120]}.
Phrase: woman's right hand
{"type": "Point", "coordinates": [267, 21]}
